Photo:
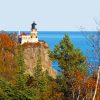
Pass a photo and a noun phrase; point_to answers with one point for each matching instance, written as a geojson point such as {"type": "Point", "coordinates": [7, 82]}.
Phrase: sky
{"type": "Point", "coordinates": [50, 15]}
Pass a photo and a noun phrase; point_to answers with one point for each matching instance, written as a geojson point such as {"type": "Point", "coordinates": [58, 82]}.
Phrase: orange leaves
{"type": "Point", "coordinates": [6, 42]}
{"type": "Point", "coordinates": [7, 59]}
{"type": "Point", "coordinates": [79, 80]}
{"type": "Point", "coordinates": [79, 76]}
{"type": "Point", "coordinates": [90, 83]}
{"type": "Point", "coordinates": [38, 44]}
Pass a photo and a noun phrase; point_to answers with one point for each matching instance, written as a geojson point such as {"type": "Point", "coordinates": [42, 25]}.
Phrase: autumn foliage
{"type": "Point", "coordinates": [37, 45]}
{"type": "Point", "coordinates": [73, 82]}
{"type": "Point", "coordinates": [7, 56]}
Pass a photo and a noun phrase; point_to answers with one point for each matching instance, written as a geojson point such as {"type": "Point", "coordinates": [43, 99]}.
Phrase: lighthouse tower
{"type": "Point", "coordinates": [34, 32]}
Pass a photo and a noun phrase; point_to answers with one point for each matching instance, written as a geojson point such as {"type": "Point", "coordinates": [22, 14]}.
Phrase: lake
{"type": "Point", "coordinates": [79, 39]}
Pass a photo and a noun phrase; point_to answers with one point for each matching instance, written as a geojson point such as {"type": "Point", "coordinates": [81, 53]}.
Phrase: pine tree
{"type": "Point", "coordinates": [40, 80]}
{"type": "Point", "coordinates": [21, 79]}
{"type": "Point", "coordinates": [70, 60]}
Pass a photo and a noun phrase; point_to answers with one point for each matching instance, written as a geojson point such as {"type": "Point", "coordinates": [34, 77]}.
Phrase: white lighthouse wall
{"type": "Point", "coordinates": [28, 39]}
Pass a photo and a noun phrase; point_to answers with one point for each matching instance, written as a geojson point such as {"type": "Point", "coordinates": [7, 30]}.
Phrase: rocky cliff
{"type": "Point", "coordinates": [38, 51]}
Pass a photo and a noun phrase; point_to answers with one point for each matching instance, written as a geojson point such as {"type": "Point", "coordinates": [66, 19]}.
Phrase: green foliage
{"type": "Point", "coordinates": [41, 86]}
{"type": "Point", "coordinates": [5, 90]}
{"type": "Point", "coordinates": [70, 61]}
{"type": "Point", "coordinates": [68, 57]}
{"type": "Point", "coordinates": [21, 79]}
{"type": "Point", "coordinates": [40, 80]}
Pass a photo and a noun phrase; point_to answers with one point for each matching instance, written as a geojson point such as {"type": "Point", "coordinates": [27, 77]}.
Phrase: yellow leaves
{"type": "Point", "coordinates": [7, 72]}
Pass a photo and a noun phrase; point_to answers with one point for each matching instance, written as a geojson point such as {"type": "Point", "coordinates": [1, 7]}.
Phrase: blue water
{"type": "Point", "coordinates": [79, 39]}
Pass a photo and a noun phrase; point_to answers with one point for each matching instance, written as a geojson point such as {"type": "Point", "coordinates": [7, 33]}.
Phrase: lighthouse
{"type": "Point", "coordinates": [33, 30]}
{"type": "Point", "coordinates": [31, 38]}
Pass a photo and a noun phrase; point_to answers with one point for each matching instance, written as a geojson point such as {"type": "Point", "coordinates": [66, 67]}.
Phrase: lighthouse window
{"type": "Point", "coordinates": [31, 36]}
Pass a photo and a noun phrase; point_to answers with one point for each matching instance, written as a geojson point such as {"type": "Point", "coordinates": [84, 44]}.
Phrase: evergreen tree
{"type": "Point", "coordinates": [21, 90]}
{"type": "Point", "coordinates": [40, 81]}
{"type": "Point", "coordinates": [21, 79]}
{"type": "Point", "coordinates": [5, 90]}
{"type": "Point", "coordinates": [70, 60]}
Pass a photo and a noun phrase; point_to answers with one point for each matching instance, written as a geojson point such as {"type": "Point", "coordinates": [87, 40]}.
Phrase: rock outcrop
{"type": "Point", "coordinates": [38, 51]}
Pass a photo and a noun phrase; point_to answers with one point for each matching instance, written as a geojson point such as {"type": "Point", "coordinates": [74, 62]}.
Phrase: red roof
{"type": "Point", "coordinates": [23, 34]}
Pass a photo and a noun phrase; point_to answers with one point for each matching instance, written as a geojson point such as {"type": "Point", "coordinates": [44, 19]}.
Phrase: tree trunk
{"type": "Point", "coordinates": [78, 94]}
{"type": "Point", "coordinates": [86, 97]}
{"type": "Point", "coordinates": [91, 94]}
{"type": "Point", "coordinates": [96, 84]}
{"type": "Point", "coordinates": [73, 92]}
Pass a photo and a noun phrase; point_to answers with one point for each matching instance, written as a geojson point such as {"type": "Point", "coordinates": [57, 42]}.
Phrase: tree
{"type": "Point", "coordinates": [6, 90]}
{"type": "Point", "coordinates": [97, 82]}
{"type": "Point", "coordinates": [70, 60]}
{"type": "Point", "coordinates": [21, 79]}
{"type": "Point", "coordinates": [40, 81]}
{"type": "Point", "coordinates": [7, 57]}
{"type": "Point", "coordinates": [94, 41]}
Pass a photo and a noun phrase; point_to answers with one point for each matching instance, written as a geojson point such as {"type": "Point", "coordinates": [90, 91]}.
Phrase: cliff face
{"type": "Point", "coordinates": [35, 52]}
